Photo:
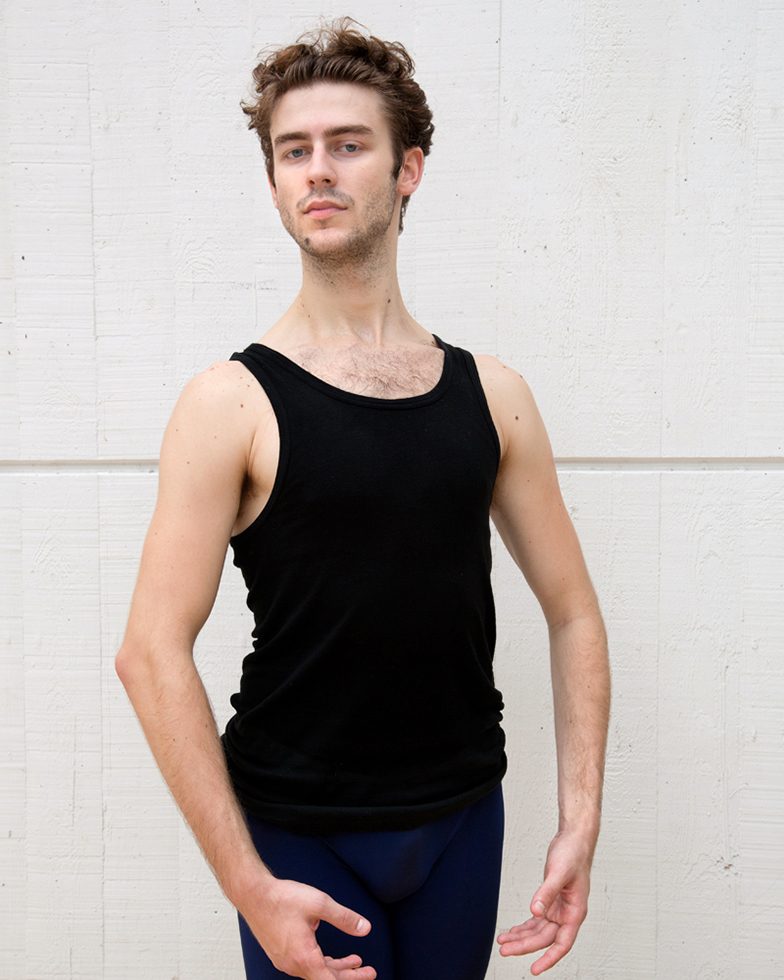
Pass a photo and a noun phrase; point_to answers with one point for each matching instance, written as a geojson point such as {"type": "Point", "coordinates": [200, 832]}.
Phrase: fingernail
{"type": "Point", "coordinates": [539, 905]}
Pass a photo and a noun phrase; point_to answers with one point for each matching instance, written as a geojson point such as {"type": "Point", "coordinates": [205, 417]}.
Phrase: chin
{"type": "Point", "coordinates": [320, 243]}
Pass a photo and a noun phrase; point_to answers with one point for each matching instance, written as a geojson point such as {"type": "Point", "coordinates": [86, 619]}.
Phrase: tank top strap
{"type": "Point", "coordinates": [268, 372]}
{"type": "Point", "coordinates": [471, 379]}
{"type": "Point", "coordinates": [273, 383]}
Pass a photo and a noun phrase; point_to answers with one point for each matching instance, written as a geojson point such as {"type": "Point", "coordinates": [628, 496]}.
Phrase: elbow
{"type": "Point", "coordinates": [130, 659]}
{"type": "Point", "coordinates": [588, 618]}
{"type": "Point", "coordinates": [151, 658]}
{"type": "Point", "coordinates": [567, 607]}
{"type": "Point", "coordinates": [123, 663]}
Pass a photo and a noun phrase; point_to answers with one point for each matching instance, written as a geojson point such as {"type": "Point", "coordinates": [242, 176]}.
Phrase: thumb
{"type": "Point", "coordinates": [545, 895]}
{"type": "Point", "coordinates": [345, 919]}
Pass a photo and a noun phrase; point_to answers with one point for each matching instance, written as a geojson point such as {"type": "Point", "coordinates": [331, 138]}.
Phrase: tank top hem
{"type": "Point", "coordinates": [330, 820]}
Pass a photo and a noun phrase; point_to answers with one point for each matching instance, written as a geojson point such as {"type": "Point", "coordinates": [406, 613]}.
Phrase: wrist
{"type": "Point", "coordinates": [580, 811]}
{"type": "Point", "coordinates": [584, 824]}
{"type": "Point", "coordinates": [249, 884]}
{"type": "Point", "coordinates": [582, 831]}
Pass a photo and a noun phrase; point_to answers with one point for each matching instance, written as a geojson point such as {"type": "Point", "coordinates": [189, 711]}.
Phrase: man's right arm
{"type": "Point", "coordinates": [203, 464]}
{"type": "Point", "coordinates": [202, 467]}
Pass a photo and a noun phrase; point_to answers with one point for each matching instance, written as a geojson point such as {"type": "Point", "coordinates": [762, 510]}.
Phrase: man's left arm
{"type": "Point", "coordinates": [532, 520]}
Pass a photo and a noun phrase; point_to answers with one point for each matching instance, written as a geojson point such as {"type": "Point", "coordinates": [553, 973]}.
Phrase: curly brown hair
{"type": "Point", "coordinates": [338, 53]}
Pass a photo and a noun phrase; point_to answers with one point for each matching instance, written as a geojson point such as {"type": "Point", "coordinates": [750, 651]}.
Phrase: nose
{"type": "Point", "coordinates": [321, 167]}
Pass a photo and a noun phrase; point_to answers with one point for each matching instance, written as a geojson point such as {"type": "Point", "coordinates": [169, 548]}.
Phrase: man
{"type": "Point", "coordinates": [352, 811]}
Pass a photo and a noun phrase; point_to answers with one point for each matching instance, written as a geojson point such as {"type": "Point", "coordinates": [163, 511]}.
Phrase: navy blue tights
{"type": "Point", "coordinates": [430, 894]}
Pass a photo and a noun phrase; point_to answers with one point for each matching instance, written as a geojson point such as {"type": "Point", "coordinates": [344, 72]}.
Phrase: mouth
{"type": "Point", "coordinates": [324, 212]}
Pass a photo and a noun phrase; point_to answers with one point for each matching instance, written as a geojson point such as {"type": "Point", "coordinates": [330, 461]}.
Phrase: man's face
{"type": "Point", "coordinates": [351, 168]}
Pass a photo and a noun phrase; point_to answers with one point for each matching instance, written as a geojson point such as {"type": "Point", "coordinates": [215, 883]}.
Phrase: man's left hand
{"type": "Point", "coordinates": [559, 906]}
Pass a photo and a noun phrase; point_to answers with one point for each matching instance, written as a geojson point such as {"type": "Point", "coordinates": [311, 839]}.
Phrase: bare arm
{"type": "Point", "coordinates": [202, 468]}
{"type": "Point", "coordinates": [581, 697]}
{"type": "Point", "coordinates": [532, 520]}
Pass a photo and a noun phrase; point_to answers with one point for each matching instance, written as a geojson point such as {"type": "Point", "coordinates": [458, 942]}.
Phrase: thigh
{"type": "Point", "coordinates": [446, 929]}
{"type": "Point", "coordinates": [305, 858]}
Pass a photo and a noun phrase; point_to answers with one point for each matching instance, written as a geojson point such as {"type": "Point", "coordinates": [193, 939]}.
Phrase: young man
{"type": "Point", "coordinates": [352, 809]}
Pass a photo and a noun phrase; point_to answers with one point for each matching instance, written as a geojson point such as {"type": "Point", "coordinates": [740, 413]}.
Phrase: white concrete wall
{"type": "Point", "coordinates": [604, 209]}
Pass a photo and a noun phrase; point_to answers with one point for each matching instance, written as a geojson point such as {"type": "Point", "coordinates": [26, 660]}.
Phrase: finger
{"type": "Point", "coordinates": [316, 966]}
{"type": "Point", "coordinates": [361, 973]}
{"type": "Point", "coordinates": [529, 927]}
{"type": "Point", "coordinates": [563, 943]}
{"type": "Point", "coordinates": [344, 962]}
{"type": "Point", "coordinates": [531, 923]}
{"type": "Point", "coordinates": [349, 966]}
{"type": "Point", "coordinates": [344, 918]}
{"type": "Point", "coordinates": [327, 972]}
{"type": "Point", "coordinates": [313, 971]}
{"type": "Point", "coordinates": [521, 945]}
{"type": "Point", "coordinates": [545, 895]}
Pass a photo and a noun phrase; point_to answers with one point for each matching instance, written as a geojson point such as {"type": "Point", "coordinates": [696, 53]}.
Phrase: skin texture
{"type": "Point", "coordinates": [349, 325]}
{"type": "Point", "coordinates": [358, 244]}
{"type": "Point", "coordinates": [361, 240]}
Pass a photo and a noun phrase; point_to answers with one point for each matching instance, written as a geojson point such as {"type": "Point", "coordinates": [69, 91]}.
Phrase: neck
{"type": "Point", "coordinates": [358, 302]}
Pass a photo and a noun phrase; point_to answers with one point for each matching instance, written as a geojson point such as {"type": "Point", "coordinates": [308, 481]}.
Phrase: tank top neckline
{"type": "Point", "coordinates": [354, 397]}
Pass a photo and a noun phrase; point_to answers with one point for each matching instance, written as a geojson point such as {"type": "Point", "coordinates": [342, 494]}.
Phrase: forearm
{"type": "Point", "coordinates": [581, 697]}
{"type": "Point", "coordinates": [177, 719]}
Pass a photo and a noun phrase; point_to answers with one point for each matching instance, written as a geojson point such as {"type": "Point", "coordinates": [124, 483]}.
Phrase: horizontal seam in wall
{"type": "Point", "coordinates": [571, 463]}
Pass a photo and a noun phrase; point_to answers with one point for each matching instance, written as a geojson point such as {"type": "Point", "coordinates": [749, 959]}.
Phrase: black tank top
{"type": "Point", "coordinates": [368, 700]}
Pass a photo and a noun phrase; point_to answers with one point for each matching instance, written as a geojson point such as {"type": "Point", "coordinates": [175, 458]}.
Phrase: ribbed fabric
{"type": "Point", "coordinates": [368, 700]}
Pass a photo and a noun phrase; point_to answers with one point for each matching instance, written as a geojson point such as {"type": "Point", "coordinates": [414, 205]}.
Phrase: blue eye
{"type": "Point", "coordinates": [300, 149]}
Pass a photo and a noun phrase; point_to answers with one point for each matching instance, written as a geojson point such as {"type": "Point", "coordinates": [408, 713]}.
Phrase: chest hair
{"type": "Point", "coordinates": [389, 373]}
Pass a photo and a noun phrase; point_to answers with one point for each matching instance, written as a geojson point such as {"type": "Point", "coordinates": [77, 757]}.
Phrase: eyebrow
{"type": "Point", "coordinates": [357, 128]}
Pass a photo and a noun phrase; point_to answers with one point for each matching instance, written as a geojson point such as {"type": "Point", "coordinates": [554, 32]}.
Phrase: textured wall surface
{"type": "Point", "coordinates": [603, 209]}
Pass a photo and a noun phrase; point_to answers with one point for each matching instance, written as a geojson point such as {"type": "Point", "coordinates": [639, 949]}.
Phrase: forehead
{"type": "Point", "coordinates": [327, 104]}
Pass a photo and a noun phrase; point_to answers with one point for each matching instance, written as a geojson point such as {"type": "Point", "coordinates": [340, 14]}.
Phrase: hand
{"type": "Point", "coordinates": [284, 915]}
{"type": "Point", "coordinates": [559, 906]}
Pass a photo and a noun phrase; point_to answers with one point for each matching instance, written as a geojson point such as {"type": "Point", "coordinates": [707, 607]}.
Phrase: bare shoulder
{"type": "Point", "coordinates": [214, 415]}
{"type": "Point", "coordinates": [220, 381]}
{"type": "Point", "coordinates": [221, 392]}
{"type": "Point", "coordinates": [510, 400]}
{"type": "Point", "coordinates": [500, 376]}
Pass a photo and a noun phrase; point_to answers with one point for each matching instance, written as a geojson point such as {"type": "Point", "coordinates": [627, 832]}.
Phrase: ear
{"type": "Point", "coordinates": [411, 171]}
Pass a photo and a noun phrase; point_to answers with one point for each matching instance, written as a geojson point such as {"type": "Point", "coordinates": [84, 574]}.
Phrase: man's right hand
{"type": "Point", "coordinates": [284, 915]}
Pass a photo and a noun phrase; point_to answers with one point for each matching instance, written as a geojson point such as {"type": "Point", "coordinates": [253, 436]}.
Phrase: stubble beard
{"type": "Point", "coordinates": [364, 246]}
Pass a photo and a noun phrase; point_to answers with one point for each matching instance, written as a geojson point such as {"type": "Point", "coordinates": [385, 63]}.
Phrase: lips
{"type": "Point", "coordinates": [323, 209]}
